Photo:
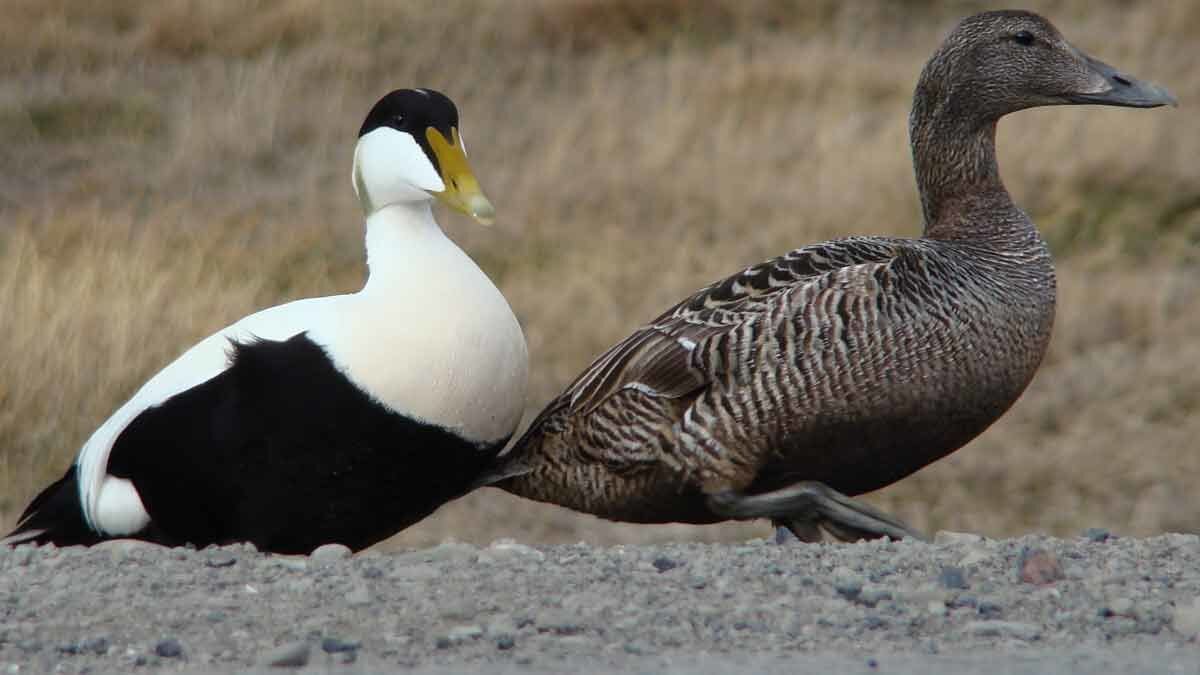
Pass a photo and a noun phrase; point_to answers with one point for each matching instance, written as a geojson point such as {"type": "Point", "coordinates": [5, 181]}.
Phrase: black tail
{"type": "Point", "coordinates": [55, 516]}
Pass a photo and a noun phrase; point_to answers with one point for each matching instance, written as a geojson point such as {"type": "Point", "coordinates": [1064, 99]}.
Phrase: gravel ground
{"type": "Point", "coordinates": [962, 604]}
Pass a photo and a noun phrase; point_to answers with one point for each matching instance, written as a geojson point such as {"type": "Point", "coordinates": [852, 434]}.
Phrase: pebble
{"type": "Point", "coordinates": [331, 645]}
{"type": "Point", "coordinates": [415, 572]}
{"type": "Point", "coordinates": [330, 553]}
{"type": "Point", "coordinates": [1118, 607]}
{"type": "Point", "coordinates": [1097, 534]}
{"type": "Point", "coordinates": [291, 563]}
{"type": "Point", "coordinates": [947, 537]}
{"type": "Point", "coordinates": [220, 559]}
{"type": "Point", "coordinates": [952, 578]}
{"type": "Point", "coordinates": [1185, 620]}
{"type": "Point", "coordinates": [22, 555]}
{"type": "Point", "coordinates": [1012, 629]}
{"type": "Point", "coordinates": [558, 623]}
{"type": "Point", "coordinates": [358, 597]}
{"type": "Point", "coordinates": [974, 557]}
{"type": "Point", "coordinates": [169, 648]}
{"type": "Point", "coordinates": [464, 633]}
{"type": "Point", "coordinates": [288, 655]}
{"type": "Point", "coordinates": [505, 642]}
{"type": "Point", "coordinates": [98, 645]}
{"type": "Point", "coordinates": [452, 551]}
{"type": "Point", "coordinates": [507, 549]}
{"type": "Point", "coordinates": [1039, 567]}
{"type": "Point", "coordinates": [847, 584]}
{"type": "Point", "coordinates": [664, 564]}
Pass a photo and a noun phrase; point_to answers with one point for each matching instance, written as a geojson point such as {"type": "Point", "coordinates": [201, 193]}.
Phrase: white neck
{"type": "Point", "coordinates": [397, 236]}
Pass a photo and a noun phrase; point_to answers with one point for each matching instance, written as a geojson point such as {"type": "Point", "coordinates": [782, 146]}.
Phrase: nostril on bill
{"type": "Point", "coordinates": [1121, 79]}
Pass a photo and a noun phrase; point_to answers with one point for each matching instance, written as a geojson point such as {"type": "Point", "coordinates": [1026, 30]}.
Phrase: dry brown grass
{"type": "Point", "coordinates": [169, 167]}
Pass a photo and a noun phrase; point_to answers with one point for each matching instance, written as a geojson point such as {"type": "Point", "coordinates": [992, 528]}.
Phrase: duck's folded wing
{"type": "Point", "coordinates": [660, 359]}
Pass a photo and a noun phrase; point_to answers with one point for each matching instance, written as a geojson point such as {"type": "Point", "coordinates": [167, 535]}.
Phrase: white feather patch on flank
{"type": "Point", "coordinates": [120, 511]}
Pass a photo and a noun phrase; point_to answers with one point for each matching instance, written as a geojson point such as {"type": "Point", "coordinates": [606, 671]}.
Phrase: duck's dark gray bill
{"type": "Point", "coordinates": [1124, 90]}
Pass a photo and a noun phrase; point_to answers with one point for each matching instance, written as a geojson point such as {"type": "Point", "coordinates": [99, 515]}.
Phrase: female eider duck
{"type": "Point", "coordinates": [837, 368]}
{"type": "Point", "coordinates": [339, 419]}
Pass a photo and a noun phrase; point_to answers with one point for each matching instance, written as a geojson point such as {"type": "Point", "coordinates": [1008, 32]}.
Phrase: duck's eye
{"type": "Point", "coordinates": [1023, 37]}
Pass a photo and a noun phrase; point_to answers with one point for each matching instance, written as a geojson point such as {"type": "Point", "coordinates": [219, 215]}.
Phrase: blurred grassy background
{"type": "Point", "coordinates": [169, 166]}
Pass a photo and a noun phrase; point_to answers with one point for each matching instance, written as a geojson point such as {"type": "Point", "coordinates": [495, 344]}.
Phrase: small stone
{"type": "Point", "coordinates": [451, 550]}
{"type": "Point", "coordinates": [974, 557]}
{"type": "Point", "coordinates": [330, 553]}
{"type": "Point", "coordinates": [120, 550]}
{"type": "Point", "coordinates": [358, 597]}
{"type": "Point", "coordinates": [947, 537]}
{"type": "Point", "coordinates": [98, 645]}
{"type": "Point", "coordinates": [952, 578]}
{"type": "Point", "coordinates": [220, 559]}
{"type": "Point", "coordinates": [23, 555]}
{"type": "Point", "coordinates": [460, 634]}
{"type": "Point", "coordinates": [664, 564]}
{"type": "Point", "coordinates": [29, 646]}
{"type": "Point", "coordinates": [873, 595]}
{"type": "Point", "coordinates": [289, 655]}
{"type": "Point", "coordinates": [1039, 567]}
{"type": "Point", "coordinates": [332, 645]}
{"type": "Point", "coordinates": [1012, 629]}
{"type": "Point", "coordinates": [1098, 535]}
{"type": "Point", "coordinates": [873, 622]}
{"type": "Point", "coordinates": [415, 572]}
{"type": "Point", "coordinates": [847, 584]}
{"type": "Point", "coordinates": [963, 600]}
{"type": "Point", "coordinates": [505, 642]}
{"type": "Point", "coordinates": [169, 648]}
{"type": "Point", "coordinates": [1119, 607]}
{"type": "Point", "coordinates": [292, 563]}
{"type": "Point", "coordinates": [558, 622]}
{"type": "Point", "coordinates": [507, 549]}
{"type": "Point", "coordinates": [989, 609]}
{"type": "Point", "coordinates": [1186, 620]}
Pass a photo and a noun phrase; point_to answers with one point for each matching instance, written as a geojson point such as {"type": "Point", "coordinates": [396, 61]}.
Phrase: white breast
{"type": "Point", "coordinates": [433, 338]}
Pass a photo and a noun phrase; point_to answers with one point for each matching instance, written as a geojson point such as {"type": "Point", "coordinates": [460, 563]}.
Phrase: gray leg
{"type": "Point", "coordinates": [808, 507]}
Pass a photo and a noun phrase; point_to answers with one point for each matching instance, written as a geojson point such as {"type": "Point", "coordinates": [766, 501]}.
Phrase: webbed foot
{"type": "Point", "coordinates": [808, 507]}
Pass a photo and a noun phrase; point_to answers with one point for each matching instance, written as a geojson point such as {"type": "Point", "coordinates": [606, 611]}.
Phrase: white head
{"type": "Point", "coordinates": [409, 150]}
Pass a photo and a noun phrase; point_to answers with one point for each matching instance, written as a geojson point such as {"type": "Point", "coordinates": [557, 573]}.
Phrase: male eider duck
{"type": "Point", "coordinates": [841, 367]}
{"type": "Point", "coordinates": [337, 419]}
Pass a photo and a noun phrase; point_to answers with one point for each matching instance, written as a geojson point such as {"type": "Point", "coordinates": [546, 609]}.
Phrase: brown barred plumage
{"type": "Point", "coordinates": [849, 364]}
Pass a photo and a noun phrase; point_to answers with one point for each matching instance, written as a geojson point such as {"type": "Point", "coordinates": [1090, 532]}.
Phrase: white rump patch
{"type": "Point", "coordinates": [120, 511]}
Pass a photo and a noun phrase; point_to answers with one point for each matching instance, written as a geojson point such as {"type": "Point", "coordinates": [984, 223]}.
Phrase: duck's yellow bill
{"type": "Point", "coordinates": [462, 191]}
